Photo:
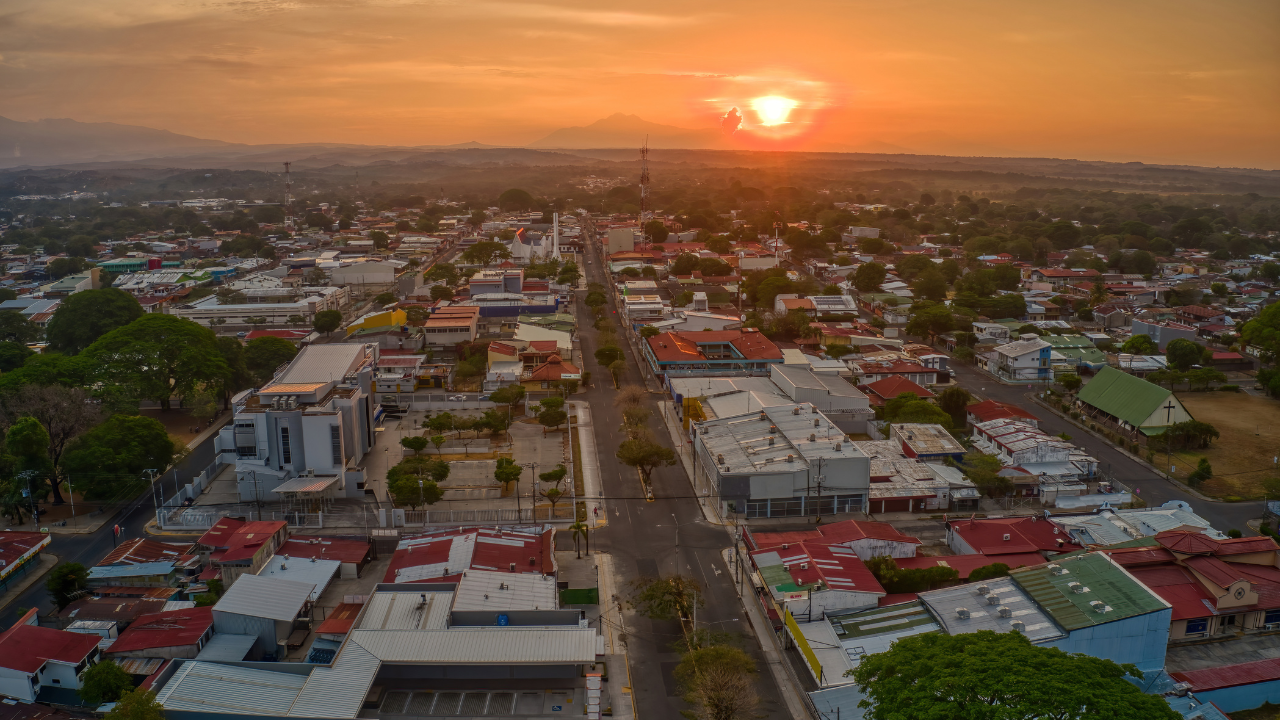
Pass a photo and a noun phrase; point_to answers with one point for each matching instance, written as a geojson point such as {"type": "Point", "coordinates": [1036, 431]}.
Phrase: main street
{"type": "Point", "coordinates": [1154, 488]}
{"type": "Point", "coordinates": [89, 548]}
{"type": "Point", "coordinates": [660, 538]}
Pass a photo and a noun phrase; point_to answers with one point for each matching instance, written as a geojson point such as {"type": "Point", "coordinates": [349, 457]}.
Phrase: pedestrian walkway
{"type": "Point", "coordinates": [590, 465]}
{"type": "Point", "coordinates": [684, 450]}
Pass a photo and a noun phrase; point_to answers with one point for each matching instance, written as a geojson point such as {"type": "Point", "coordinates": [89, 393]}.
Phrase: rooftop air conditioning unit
{"type": "Point", "coordinates": [1006, 537]}
{"type": "Point", "coordinates": [993, 599]}
{"type": "Point", "coordinates": [962, 613]}
{"type": "Point", "coordinates": [512, 567]}
{"type": "Point", "coordinates": [804, 566]}
{"type": "Point", "coordinates": [1004, 611]}
{"type": "Point", "coordinates": [984, 589]}
{"type": "Point", "coordinates": [1018, 626]}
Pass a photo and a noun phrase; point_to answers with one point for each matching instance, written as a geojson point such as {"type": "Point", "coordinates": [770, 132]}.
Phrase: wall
{"type": "Point", "coordinates": [1140, 640]}
{"type": "Point", "coordinates": [235, 624]}
{"type": "Point", "coordinates": [868, 548]}
{"type": "Point", "coordinates": [17, 685]}
{"type": "Point", "coordinates": [1242, 697]}
{"type": "Point", "coordinates": [61, 675]}
{"type": "Point", "coordinates": [832, 601]}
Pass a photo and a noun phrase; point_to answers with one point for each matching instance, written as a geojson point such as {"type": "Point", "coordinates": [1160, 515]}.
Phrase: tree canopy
{"type": "Point", "coordinates": [116, 451]}
{"type": "Point", "coordinates": [485, 252]}
{"type": "Point", "coordinates": [994, 675]}
{"type": "Point", "coordinates": [326, 321]}
{"type": "Point", "coordinates": [262, 355]}
{"type": "Point", "coordinates": [869, 276]}
{"type": "Point", "coordinates": [158, 356]}
{"type": "Point", "coordinates": [83, 317]}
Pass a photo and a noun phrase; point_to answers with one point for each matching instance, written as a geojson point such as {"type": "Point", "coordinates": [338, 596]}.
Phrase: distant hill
{"type": "Point", "coordinates": [43, 142]}
{"type": "Point", "coordinates": [629, 131]}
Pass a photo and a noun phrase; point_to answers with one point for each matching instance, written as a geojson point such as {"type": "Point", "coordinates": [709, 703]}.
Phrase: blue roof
{"type": "Point", "coordinates": [113, 571]}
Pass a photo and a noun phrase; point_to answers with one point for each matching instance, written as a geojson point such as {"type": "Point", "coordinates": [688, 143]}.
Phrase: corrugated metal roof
{"type": "Point", "coordinates": [265, 597]}
{"type": "Point", "coordinates": [1098, 579]}
{"type": "Point", "coordinates": [210, 687]}
{"type": "Point", "coordinates": [322, 363]}
{"type": "Point", "coordinates": [314, 571]}
{"type": "Point", "coordinates": [490, 590]}
{"type": "Point", "coordinates": [477, 646]}
{"type": "Point", "coordinates": [114, 571]}
{"type": "Point", "coordinates": [307, 484]}
{"type": "Point", "coordinates": [406, 611]}
{"type": "Point", "coordinates": [1122, 395]}
{"type": "Point", "coordinates": [227, 647]}
{"type": "Point", "coordinates": [1037, 625]}
{"type": "Point", "coordinates": [338, 691]}
{"type": "Point", "coordinates": [139, 666]}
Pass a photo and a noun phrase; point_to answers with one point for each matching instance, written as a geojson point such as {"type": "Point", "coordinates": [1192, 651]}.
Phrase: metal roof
{"type": "Point", "coordinates": [1068, 597]}
{"type": "Point", "coordinates": [322, 363]}
{"type": "Point", "coordinates": [762, 441]}
{"type": "Point", "coordinates": [338, 691]}
{"type": "Point", "coordinates": [1122, 395]}
{"type": "Point", "coordinates": [946, 604]}
{"type": "Point", "coordinates": [481, 645]}
{"type": "Point", "coordinates": [491, 590]}
{"type": "Point", "coordinates": [210, 687]}
{"type": "Point", "coordinates": [227, 647]}
{"type": "Point", "coordinates": [314, 571]}
{"type": "Point", "coordinates": [114, 571]}
{"type": "Point", "coordinates": [307, 484]}
{"type": "Point", "coordinates": [265, 597]}
{"type": "Point", "coordinates": [407, 611]}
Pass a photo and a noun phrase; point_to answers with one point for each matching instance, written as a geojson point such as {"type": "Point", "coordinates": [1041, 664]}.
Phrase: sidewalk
{"type": "Point", "coordinates": [590, 465]}
{"type": "Point", "coordinates": [43, 565]}
{"type": "Point", "coordinates": [613, 628]}
{"type": "Point", "coordinates": [684, 451]}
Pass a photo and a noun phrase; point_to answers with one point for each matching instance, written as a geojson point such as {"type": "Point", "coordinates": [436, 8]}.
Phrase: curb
{"type": "Point", "coordinates": [31, 580]}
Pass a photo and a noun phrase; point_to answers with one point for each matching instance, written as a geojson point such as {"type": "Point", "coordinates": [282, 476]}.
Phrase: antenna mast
{"type": "Point", "coordinates": [645, 211]}
{"type": "Point", "coordinates": [288, 197]}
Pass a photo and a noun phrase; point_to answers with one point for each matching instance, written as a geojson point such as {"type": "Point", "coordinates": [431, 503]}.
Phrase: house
{"type": "Point", "coordinates": [988, 410]}
{"type": "Point", "coordinates": [1059, 277]}
{"type": "Point", "coordinates": [265, 608]}
{"type": "Point", "coordinates": [552, 371]}
{"type": "Point", "coordinates": [166, 635]}
{"type": "Point", "coordinates": [33, 658]}
{"type": "Point", "coordinates": [232, 547]}
{"type": "Point", "coordinates": [866, 539]}
{"type": "Point", "coordinates": [303, 435]}
{"type": "Point", "coordinates": [352, 554]}
{"type": "Point", "coordinates": [882, 391]}
{"type": "Point", "coordinates": [450, 325]}
{"type": "Point", "coordinates": [813, 580]}
{"type": "Point", "coordinates": [766, 463]}
{"type": "Point", "coordinates": [1162, 333]}
{"type": "Point", "coordinates": [786, 303]}
{"type": "Point", "coordinates": [1130, 402]}
{"type": "Point", "coordinates": [927, 442]}
{"type": "Point", "coordinates": [1110, 526]}
{"type": "Point", "coordinates": [1005, 536]}
{"type": "Point", "coordinates": [870, 371]}
{"type": "Point", "coordinates": [1199, 315]}
{"type": "Point", "coordinates": [743, 352]}
{"type": "Point", "coordinates": [443, 555]}
{"type": "Point", "coordinates": [900, 483]}
{"type": "Point", "coordinates": [1021, 360]}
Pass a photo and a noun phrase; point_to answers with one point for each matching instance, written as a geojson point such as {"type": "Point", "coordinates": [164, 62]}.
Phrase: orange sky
{"type": "Point", "coordinates": [1162, 81]}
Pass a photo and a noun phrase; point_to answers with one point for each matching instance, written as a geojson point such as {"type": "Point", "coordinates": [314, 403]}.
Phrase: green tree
{"type": "Point", "coordinates": [1070, 382]}
{"type": "Point", "coordinates": [718, 680]}
{"type": "Point", "coordinates": [1203, 472]}
{"type": "Point", "coordinates": [13, 355]}
{"type": "Point", "coordinates": [16, 328]}
{"type": "Point", "coordinates": [138, 704]}
{"type": "Point", "coordinates": [485, 252]}
{"type": "Point", "coordinates": [907, 408]}
{"type": "Point", "coordinates": [237, 375]}
{"type": "Point", "coordinates": [506, 471]}
{"type": "Point", "coordinates": [326, 321]}
{"type": "Point", "coordinates": [931, 675]}
{"type": "Point", "coordinates": [516, 199]}
{"type": "Point", "coordinates": [868, 277]}
{"type": "Point", "coordinates": [415, 481]}
{"type": "Point", "coordinates": [416, 443]}
{"type": "Point", "coordinates": [386, 298]}
{"type": "Point", "coordinates": [158, 356]}
{"type": "Point", "coordinates": [509, 395]}
{"type": "Point", "coordinates": [649, 331]}
{"type": "Point", "coordinates": [104, 682]}
{"type": "Point", "coordinates": [954, 401]}
{"type": "Point", "coordinates": [116, 452]}
{"type": "Point", "coordinates": [85, 316]}
{"type": "Point", "coordinates": [931, 322]}
{"type": "Point", "coordinates": [645, 455]}
{"type": "Point", "coordinates": [930, 285]}
{"type": "Point", "coordinates": [443, 272]}
{"type": "Point", "coordinates": [984, 470]}
{"type": "Point", "coordinates": [1139, 345]}
{"type": "Point", "coordinates": [441, 292]}
{"type": "Point", "coordinates": [66, 582]}
{"type": "Point", "coordinates": [667, 598]}
{"type": "Point", "coordinates": [263, 355]}
{"type": "Point", "coordinates": [1182, 353]}
{"type": "Point", "coordinates": [381, 240]}
{"type": "Point", "coordinates": [608, 355]}
{"type": "Point", "coordinates": [986, 572]}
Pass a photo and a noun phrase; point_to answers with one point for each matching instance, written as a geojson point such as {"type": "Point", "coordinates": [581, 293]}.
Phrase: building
{"type": "Point", "coordinates": [729, 352]}
{"type": "Point", "coordinates": [1131, 403]}
{"type": "Point", "coordinates": [33, 658]}
{"type": "Point", "coordinates": [19, 552]}
{"type": "Point", "coordinates": [644, 308]}
{"type": "Point", "coordinates": [1163, 333]}
{"type": "Point", "coordinates": [844, 404]}
{"type": "Point", "coordinates": [232, 547]}
{"type": "Point", "coordinates": [1021, 360]}
{"type": "Point", "coordinates": [165, 635]}
{"type": "Point", "coordinates": [488, 282]}
{"type": "Point", "coordinates": [443, 555]}
{"type": "Point", "coordinates": [1019, 445]}
{"type": "Point", "coordinates": [869, 371]}
{"type": "Point", "coordinates": [265, 608]}
{"type": "Point", "coordinates": [927, 442]}
{"type": "Point", "coordinates": [1109, 526]}
{"type": "Point", "coordinates": [900, 483]}
{"type": "Point", "coordinates": [865, 539]}
{"type": "Point", "coordinates": [353, 555]}
{"type": "Point", "coordinates": [1008, 536]}
{"type": "Point", "coordinates": [785, 460]}
{"type": "Point", "coordinates": [302, 436]}
{"type": "Point", "coordinates": [988, 410]}
{"type": "Point", "coordinates": [451, 325]}
{"type": "Point", "coordinates": [369, 278]}
{"type": "Point", "coordinates": [552, 371]}
{"type": "Point", "coordinates": [882, 391]}
{"type": "Point", "coordinates": [813, 580]}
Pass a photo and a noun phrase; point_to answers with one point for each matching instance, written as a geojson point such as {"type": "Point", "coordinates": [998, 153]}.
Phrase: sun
{"type": "Point", "coordinates": [773, 109]}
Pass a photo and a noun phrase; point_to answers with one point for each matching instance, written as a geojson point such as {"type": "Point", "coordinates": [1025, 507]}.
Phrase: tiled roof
{"type": "Point", "coordinates": [893, 386]}
{"type": "Point", "coordinates": [553, 369]}
{"type": "Point", "coordinates": [838, 533]}
{"type": "Point", "coordinates": [680, 346]}
{"type": "Point", "coordinates": [1222, 574]}
{"type": "Point", "coordinates": [995, 410]}
{"type": "Point", "coordinates": [1196, 543]}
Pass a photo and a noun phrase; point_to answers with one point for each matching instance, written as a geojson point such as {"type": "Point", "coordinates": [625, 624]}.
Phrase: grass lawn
{"type": "Point", "coordinates": [1243, 456]}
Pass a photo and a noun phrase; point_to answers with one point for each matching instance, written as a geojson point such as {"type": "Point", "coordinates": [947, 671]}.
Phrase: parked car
{"type": "Point", "coordinates": [457, 398]}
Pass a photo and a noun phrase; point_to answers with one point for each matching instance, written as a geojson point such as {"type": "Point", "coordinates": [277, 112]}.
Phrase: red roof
{"type": "Point", "coordinates": [239, 540]}
{"type": "Point", "coordinates": [838, 533]}
{"type": "Point", "coordinates": [680, 346]}
{"type": "Point", "coordinates": [899, 367]}
{"type": "Point", "coordinates": [1179, 588]}
{"type": "Point", "coordinates": [1224, 575]}
{"type": "Point", "coordinates": [26, 648]}
{"type": "Point", "coordinates": [896, 599]}
{"type": "Point", "coordinates": [553, 369]}
{"type": "Point", "coordinates": [965, 564]}
{"type": "Point", "coordinates": [347, 551]}
{"type": "Point", "coordinates": [175, 628]}
{"type": "Point", "coordinates": [891, 387]}
{"type": "Point", "coordinates": [837, 568]}
{"type": "Point", "coordinates": [1026, 535]}
{"type": "Point", "coordinates": [1227, 676]}
{"type": "Point", "coordinates": [502, 348]}
{"type": "Point", "coordinates": [544, 345]}
{"type": "Point", "coordinates": [994, 410]}
{"type": "Point", "coordinates": [1226, 355]}
{"type": "Point", "coordinates": [490, 549]}
{"type": "Point", "coordinates": [290, 335]}
{"type": "Point", "coordinates": [340, 620]}
{"type": "Point", "coordinates": [1196, 543]}
{"type": "Point", "coordinates": [142, 550]}
{"type": "Point", "coordinates": [13, 545]}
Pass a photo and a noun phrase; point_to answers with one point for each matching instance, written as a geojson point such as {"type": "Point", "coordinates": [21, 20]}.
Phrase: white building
{"type": "Point", "coordinates": [304, 434]}
{"type": "Point", "coordinates": [1021, 360]}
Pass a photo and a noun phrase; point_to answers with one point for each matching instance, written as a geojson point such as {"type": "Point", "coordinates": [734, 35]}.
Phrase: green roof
{"type": "Point", "coordinates": [1089, 355]}
{"type": "Point", "coordinates": [777, 577]}
{"type": "Point", "coordinates": [1122, 395]}
{"type": "Point", "coordinates": [1106, 582]}
{"type": "Point", "coordinates": [1068, 341]}
{"type": "Point", "coordinates": [877, 621]}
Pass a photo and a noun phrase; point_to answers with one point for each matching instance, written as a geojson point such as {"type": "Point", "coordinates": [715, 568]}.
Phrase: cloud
{"type": "Point", "coordinates": [602, 18]}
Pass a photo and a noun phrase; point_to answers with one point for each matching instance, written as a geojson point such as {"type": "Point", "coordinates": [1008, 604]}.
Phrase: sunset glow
{"type": "Point", "coordinates": [773, 109]}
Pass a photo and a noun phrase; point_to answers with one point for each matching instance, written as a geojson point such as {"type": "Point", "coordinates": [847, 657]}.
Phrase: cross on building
{"type": "Point", "coordinates": [1168, 414]}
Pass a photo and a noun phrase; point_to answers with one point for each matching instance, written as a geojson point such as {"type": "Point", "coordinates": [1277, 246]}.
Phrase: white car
{"type": "Point", "coordinates": [457, 398]}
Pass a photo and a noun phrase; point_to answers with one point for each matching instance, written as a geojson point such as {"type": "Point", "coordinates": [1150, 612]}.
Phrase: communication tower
{"type": "Point", "coordinates": [645, 211]}
{"type": "Point", "coordinates": [288, 197]}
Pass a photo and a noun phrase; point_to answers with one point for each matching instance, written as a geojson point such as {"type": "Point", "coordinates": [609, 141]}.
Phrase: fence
{"type": "Point", "coordinates": [300, 519]}
{"type": "Point", "coordinates": [178, 512]}
{"type": "Point", "coordinates": [466, 517]}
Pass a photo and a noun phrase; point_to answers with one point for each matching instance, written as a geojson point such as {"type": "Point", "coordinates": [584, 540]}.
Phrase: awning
{"type": "Point", "coordinates": [307, 484]}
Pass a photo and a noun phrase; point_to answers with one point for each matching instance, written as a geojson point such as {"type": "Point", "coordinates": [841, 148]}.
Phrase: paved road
{"type": "Point", "coordinates": [1155, 489]}
{"type": "Point", "coordinates": [642, 539]}
{"type": "Point", "coordinates": [88, 549]}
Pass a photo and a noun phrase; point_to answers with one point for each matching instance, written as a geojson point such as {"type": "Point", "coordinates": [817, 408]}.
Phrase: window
{"type": "Point", "coordinates": [285, 454]}
{"type": "Point", "coordinates": [335, 443]}
{"type": "Point", "coordinates": [1197, 625]}
{"type": "Point", "coordinates": [1272, 616]}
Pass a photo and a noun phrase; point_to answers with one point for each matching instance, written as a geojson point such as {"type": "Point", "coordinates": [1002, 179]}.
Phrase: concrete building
{"type": "Point", "coordinates": [1163, 333]}
{"type": "Point", "coordinates": [845, 405]}
{"type": "Point", "coordinates": [265, 608]}
{"type": "Point", "coordinates": [303, 435]}
{"type": "Point", "coordinates": [785, 460]}
{"type": "Point", "coordinates": [620, 240]}
{"type": "Point", "coordinates": [33, 658]}
{"type": "Point", "coordinates": [312, 301]}
{"type": "Point", "coordinates": [1021, 360]}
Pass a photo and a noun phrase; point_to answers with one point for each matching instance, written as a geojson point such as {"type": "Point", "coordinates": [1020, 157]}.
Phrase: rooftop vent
{"type": "Point", "coordinates": [786, 546]}
{"type": "Point", "coordinates": [813, 409]}
{"type": "Point", "coordinates": [533, 560]}
{"type": "Point", "coordinates": [1077, 588]}
{"type": "Point", "coordinates": [720, 458]}
{"type": "Point", "coordinates": [962, 613]}
{"type": "Point", "coordinates": [1004, 611]}
{"type": "Point", "coordinates": [773, 428]}
{"type": "Point", "coordinates": [795, 411]}
{"type": "Point", "coordinates": [804, 566]}
{"type": "Point", "coordinates": [813, 437]}
{"type": "Point", "coordinates": [1099, 606]}
{"type": "Point", "coordinates": [791, 458]}
{"type": "Point", "coordinates": [817, 422]}
{"type": "Point", "coordinates": [984, 589]}
{"type": "Point", "coordinates": [1059, 570]}
{"type": "Point", "coordinates": [993, 599]}
{"type": "Point", "coordinates": [512, 567]}
{"type": "Point", "coordinates": [1018, 626]}
{"type": "Point", "coordinates": [764, 415]}
{"type": "Point", "coordinates": [770, 441]}
{"type": "Point", "coordinates": [838, 447]}
{"type": "Point", "coordinates": [1006, 537]}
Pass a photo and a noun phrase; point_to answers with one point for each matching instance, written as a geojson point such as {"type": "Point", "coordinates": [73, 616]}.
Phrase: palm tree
{"type": "Point", "coordinates": [580, 528]}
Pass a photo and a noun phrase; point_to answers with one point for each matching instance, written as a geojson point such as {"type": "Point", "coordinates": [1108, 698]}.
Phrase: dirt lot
{"type": "Point", "coordinates": [1244, 455]}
